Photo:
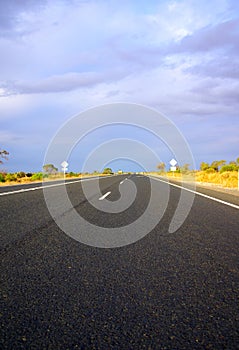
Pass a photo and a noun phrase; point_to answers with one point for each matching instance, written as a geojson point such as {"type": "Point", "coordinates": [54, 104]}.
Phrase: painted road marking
{"type": "Point", "coordinates": [47, 186]}
{"type": "Point", "coordinates": [104, 196]}
{"type": "Point", "coordinates": [123, 181]}
{"type": "Point", "coordinates": [199, 193]}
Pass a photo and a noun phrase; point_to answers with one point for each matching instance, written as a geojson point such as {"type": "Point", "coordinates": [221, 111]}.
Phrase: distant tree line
{"type": "Point", "coordinates": [216, 166]}
{"type": "Point", "coordinates": [220, 166]}
{"type": "Point", "coordinates": [49, 171]}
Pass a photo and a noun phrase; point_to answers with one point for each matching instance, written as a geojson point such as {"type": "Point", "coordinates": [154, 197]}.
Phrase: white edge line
{"type": "Point", "coordinates": [47, 186]}
{"type": "Point", "coordinates": [104, 196]}
{"type": "Point", "coordinates": [198, 193]}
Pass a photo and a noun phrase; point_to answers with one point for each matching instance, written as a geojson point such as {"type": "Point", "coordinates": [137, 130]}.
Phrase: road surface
{"type": "Point", "coordinates": [166, 291]}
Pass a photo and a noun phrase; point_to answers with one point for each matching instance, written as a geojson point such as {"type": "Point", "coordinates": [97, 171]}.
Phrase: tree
{"type": "Point", "coordinates": [204, 166]}
{"type": "Point", "coordinates": [3, 154]}
{"type": "Point", "coordinates": [217, 163]}
{"type": "Point", "coordinates": [107, 171]}
{"type": "Point", "coordinates": [161, 166]}
{"type": "Point", "coordinates": [50, 169]}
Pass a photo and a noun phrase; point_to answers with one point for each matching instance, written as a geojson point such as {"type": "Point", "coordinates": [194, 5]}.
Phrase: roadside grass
{"type": "Point", "coordinates": [227, 179]}
{"type": "Point", "coordinates": [13, 179]}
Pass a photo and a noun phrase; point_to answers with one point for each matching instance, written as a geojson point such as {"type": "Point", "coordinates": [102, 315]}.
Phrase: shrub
{"type": "Point", "coordinates": [36, 177]}
{"type": "Point", "coordinates": [204, 166]}
{"type": "Point", "coordinates": [229, 167]}
{"type": "Point", "coordinates": [72, 174]}
{"type": "Point", "coordinates": [11, 177]}
{"type": "Point", "coordinates": [210, 171]}
{"type": "Point", "coordinates": [108, 171]}
{"type": "Point", "coordinates": [2, 178]}
{"type": "Point", "coordinates": [21, 174]}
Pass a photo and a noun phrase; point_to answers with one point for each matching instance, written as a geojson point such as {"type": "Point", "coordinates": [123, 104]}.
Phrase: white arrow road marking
{"type": "Point", "coordinates": [104, 196]}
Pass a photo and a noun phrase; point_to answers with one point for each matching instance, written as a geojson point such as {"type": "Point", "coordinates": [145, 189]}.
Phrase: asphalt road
{"type": "Point", "coordinates": [14, 188]}
{"type": "Point", "coordinates": [166, 291]}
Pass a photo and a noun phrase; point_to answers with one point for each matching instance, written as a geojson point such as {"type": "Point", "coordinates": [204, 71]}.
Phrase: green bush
{"type": "Point", "coordinates": [72, 174]}
{"type": "Point", "coordinates": [2, 178]}
{"type": "Point", "coordinates": [108, 171]}
{"type": "Point", "coordinates": [36, 177]}
{"type": "Point", "coordinates": [21, 174]}
{"type": "Point", "coordinates": [210, 170]}
{"type": "Point", "coordinates": [11, 177]}
{"type": "Point", "coordinates": [229, 167]}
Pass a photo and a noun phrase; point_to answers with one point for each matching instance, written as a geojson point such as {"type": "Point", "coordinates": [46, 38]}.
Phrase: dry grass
{"type": "Point", "coordinates": [227, 179]}
{"type": "Point", "coordinates": [27, 180]}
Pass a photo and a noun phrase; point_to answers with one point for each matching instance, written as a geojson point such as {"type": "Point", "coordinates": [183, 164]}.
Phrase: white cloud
{"type": "Point", "coordinates": [60, 57]}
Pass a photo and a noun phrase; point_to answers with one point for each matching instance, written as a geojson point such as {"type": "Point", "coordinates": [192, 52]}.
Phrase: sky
{"type": "Point", "coordinates": [61, 57]}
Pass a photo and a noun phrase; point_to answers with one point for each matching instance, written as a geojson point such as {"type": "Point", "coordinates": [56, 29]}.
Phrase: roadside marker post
{"type": "Point", "coordinates": [173, 167]}
{"type": "Point", "coordinates": [64, 167]}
